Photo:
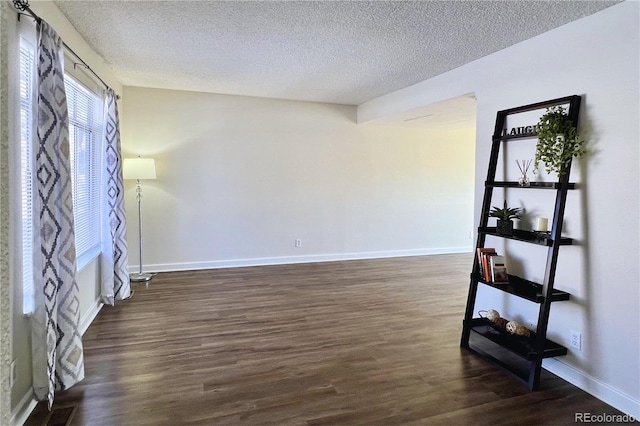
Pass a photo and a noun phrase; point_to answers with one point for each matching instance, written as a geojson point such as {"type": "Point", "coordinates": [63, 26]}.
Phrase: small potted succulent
{"type": "Point", "coordinates": [504, 215]}
{"type": "Point", "coordinates": [558, 141]}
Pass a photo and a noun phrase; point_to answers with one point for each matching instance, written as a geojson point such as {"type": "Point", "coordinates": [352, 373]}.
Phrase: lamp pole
{"type": "Point", "coordinates": [139, 169]}
{"type": "Point", "coordinates": [140, 277]}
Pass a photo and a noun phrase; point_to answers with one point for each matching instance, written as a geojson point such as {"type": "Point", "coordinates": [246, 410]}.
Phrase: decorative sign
{"type": "Point", "coordinates": [521, 131]}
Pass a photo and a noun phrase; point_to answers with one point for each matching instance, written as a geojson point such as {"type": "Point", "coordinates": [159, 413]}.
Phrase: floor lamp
{"type": "Point", "coordinates": [139, 169]}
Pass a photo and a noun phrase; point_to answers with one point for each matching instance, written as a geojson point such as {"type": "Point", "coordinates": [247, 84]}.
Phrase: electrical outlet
{"type": "Point", "coordinates": [298, 243]}
{"type": "Point", "coordinates": [575, 339]}
{"type": "Point", "coordinates": [13, 375]}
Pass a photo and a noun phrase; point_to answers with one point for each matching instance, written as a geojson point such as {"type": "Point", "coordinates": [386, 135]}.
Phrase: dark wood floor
{"type": "Point", "coordinates": [358, 342]}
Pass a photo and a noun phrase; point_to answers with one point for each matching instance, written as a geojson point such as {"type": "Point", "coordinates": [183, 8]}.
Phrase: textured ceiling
{"type": "Point", "coordinates": [344, 52]}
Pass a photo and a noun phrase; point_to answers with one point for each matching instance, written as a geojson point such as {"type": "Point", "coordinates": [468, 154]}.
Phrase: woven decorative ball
{"type": "Point", "coordinates": [523, 331]}
{"type": "Point", "coordinates": [493, 315]}
{"type": "Point", "coordinates": [518, 329]}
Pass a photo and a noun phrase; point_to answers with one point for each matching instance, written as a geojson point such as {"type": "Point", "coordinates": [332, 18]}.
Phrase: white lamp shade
{"type": "Point", "coordinates": [139, 168]}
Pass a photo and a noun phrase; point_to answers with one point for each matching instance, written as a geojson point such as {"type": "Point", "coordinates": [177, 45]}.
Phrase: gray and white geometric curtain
{"type": "Point", "coordinates": [58, 360]}
{"type": "Point", "coordinates": [115, 257]}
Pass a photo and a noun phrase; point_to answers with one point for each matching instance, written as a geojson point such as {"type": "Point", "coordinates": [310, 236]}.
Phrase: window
{"type": "Point", "coordinates": [27, 70]}
{"type": "Point", "coordinates": [85, 135]}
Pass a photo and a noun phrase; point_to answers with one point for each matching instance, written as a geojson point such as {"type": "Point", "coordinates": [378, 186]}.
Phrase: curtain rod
{"type": "Point", "coordinates": [23, 6]}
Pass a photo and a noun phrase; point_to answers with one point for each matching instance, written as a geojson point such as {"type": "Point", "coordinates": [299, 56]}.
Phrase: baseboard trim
{"type": "Point", "coordinates": [89, 316]}
{"type": "Point", "coordinates": [285, 260]}
{"type": "Point", "coordinates": [593, 386]}
{"type": "Point", "coordinates": [24, 408]}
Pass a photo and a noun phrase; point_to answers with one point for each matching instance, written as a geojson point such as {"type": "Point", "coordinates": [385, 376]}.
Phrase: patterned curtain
{"type": "Point", "coordinates": [115, 257]}
{"type": "Point", "coordinates": [58, 360]}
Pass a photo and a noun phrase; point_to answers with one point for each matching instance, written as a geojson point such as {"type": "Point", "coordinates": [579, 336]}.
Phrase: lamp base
{"type": "Point", "coordinates": [140, 277]}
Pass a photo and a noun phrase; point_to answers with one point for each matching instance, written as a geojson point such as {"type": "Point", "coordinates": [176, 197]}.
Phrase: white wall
{"type": "Point", "coordinates": [240, 178]}
{"type": "Point", "coordinates": [88, 277]}
{"type": "Point", "coordinates": [596, 57]}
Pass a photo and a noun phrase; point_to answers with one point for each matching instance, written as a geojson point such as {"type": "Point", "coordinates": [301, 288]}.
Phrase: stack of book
{"type": "Point", "coordinates": [492, 266]}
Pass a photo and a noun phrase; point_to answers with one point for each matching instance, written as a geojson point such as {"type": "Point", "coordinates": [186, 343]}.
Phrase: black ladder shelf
{"type": "Point", "coordinates": [518, 356]}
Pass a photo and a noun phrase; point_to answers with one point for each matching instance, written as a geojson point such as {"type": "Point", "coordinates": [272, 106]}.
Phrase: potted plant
{"type": "Point", "coordinates": [558, 141]}
{"type": "Point", "coordinates": [504, 225]}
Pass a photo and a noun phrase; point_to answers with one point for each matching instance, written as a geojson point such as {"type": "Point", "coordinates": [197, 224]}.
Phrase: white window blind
{"type": "Point", "coordinates": [85, 133]}
{"type": "Point", "coordinates": [27, 72]}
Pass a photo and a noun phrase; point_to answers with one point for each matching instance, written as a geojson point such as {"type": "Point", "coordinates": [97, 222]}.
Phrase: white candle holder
{"type": "Point", "coordinates": [542, 224]}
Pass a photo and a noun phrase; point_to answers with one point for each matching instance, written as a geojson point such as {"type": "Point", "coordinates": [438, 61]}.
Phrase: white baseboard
{"type": "Point", "coordinates": [90, 315]}
{"type": "Point", "coordinates": [23, 410]}
{"type": "Point", "coordinates": [595, 387]}
{"type": "Point", "coordinates": [285, 260]}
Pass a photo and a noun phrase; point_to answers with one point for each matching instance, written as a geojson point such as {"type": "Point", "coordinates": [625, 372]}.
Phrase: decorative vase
{"type": "Point", "coordinates": [524, 180]}
{"type": "Point", "coordinates": [524, 168]}
{"type": "Point", "coordinates": [504, 227]}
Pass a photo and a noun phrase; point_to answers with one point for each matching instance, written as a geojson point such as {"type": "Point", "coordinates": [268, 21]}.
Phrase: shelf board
{"type": "Point", "coordinates": [524, 288]}
{"type": "Point", "coordinates": [512, 137]}
{"type": "Point", "coordinates": [532, 185]}
{"type": "Point", "coordinates": [521, 346]}
{"type": "Point", "coordinates": [526, 236]}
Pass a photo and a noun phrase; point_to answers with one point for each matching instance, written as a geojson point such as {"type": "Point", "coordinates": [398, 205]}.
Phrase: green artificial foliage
{"type": "Point", "coordinates": [558, 141]}
{"type": "Point", "coordinates": [505, 213]}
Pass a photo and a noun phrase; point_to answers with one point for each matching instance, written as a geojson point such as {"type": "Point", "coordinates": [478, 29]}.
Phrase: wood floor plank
{"type": "Point", "coordinates": [341, 343]}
